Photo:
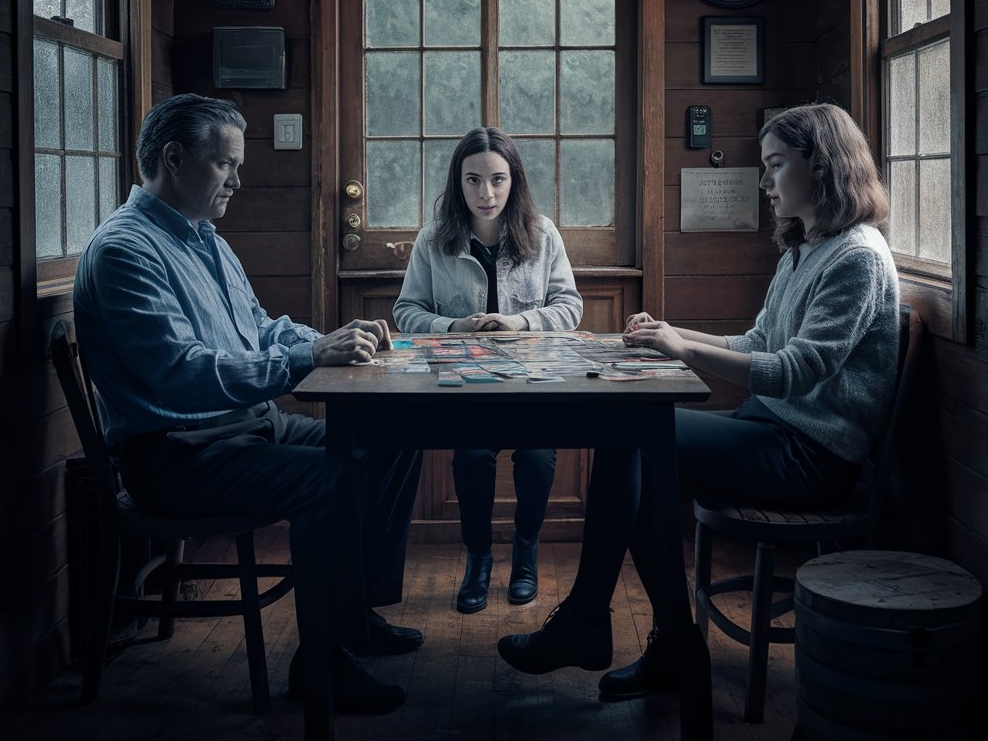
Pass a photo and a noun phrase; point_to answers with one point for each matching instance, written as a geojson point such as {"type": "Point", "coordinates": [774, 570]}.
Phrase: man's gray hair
{"type": "Point", "coordinates": [190, 119]}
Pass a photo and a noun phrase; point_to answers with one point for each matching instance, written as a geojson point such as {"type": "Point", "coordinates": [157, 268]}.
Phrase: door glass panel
{"type": "Point", "coordinates": [394, 178]}
{"type": "Point", "coordinates": [452, 91]}
{"type": "Point", "coordinates": [553, 88]}
{"type": "Point", "coordinates": [437, 154]}
{"type": "Point", "coordinates": [393, 89]}
{"type": "Point", "coordinates": [539, 158]}
{"type": "Point", "coordinates": [390, 23]}
{"type": "Point", "coordinates": [586, 177]}
{"type": "Point", "coordinates": [586, 92]}
{"type": "Point", "coordinates": [79, 133]}
{"type": "Point", "coordinates": [586, 22]}
{"type": "Point", "coordinates": [527, 22]}
{"type": "Point", "coordinates": [528, 92]}
{"type": "Point", "coordinates": [452, 22]}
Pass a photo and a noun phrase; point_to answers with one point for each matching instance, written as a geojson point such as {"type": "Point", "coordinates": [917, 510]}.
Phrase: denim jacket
{"type": "Point", "coordinates": [440, 288]}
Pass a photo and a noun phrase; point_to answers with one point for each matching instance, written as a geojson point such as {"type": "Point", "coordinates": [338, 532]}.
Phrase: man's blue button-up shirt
{"type": "Point", "coordinates": [170, 327]}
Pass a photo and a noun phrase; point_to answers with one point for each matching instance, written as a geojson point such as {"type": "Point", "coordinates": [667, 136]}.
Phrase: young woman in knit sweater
{"type": "Point", "coordinates": [820, 363]}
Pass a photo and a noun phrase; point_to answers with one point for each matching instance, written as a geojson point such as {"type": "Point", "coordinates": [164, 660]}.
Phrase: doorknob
{"type": "Point", "coordinates": [353, 221]}
{"type": "Point", "coordinates": [353, 189]}
{"type": "Point", "coordinates": [351, 242]}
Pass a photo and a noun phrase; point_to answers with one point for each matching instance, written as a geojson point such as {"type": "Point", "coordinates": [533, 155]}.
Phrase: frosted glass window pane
{"type": "Point", "coordinates": [452, 91]}
{"type": "Point", "coordinates": [902, 209]}
{"type": "Point", "coordinates": [911, 12]}
{"type": "Point", "coordinates": [528, 92]}
{"type": "Point", "coordinates": [393, 93]}
{"type": "Point", "coordinates": [394, 181]}
{"type": "Point", "coordinates": [48, 205]}
{"type": "Point", "coordinates": [108, 197]}
{"type": "Point", "coordinates": [939, 8]}
{"type": "Point", "coordinates": [80, 202]}
{"type": "Point", "coordinates": [586, 22]}
{"type": "Point", "coordinates": [437, 154]}
{"type": "Point", "coordinates": [47, 129]}
{"type": "Point", "coordinates": [106, 71]}
{"type": "Point", "coordinates": [586, 182]}
{"type": "Point", "coordinates": [527, 22]}
{"type": "Point", "coordinates": [79, 133]}
{"type": "Point", "coordinates": [934, 99]}
{"type": "Point", "coordinates": [586, 101]}
{"type": "Point", "coordinates": [538, 157]}
{"type": "Point", "coordinates": [452, 22]}
{"type": "Point", "coordinates": [902, 105]}
{"type": "Point", "coordinates": [82, 13]}
{"type": "Point", "coordinates": [47, 8]}
{"type": "Point", "coordinates": [391, 23]}
{"type": "Point", "coordinates": [934, 205]}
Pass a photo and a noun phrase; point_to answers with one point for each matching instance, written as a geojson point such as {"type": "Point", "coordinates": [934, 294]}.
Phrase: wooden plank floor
{"type": "Point", "coordinates": [195, 685]}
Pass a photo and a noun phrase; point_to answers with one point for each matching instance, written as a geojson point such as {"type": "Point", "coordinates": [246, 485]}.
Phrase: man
{"type": "Point", "coordinates": [186, 364]}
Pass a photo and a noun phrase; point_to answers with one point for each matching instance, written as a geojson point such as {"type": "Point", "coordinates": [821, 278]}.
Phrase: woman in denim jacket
{"type": "Point", "coordinates": [490, 262]}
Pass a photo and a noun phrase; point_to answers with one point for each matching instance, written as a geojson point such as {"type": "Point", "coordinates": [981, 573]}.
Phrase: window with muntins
{"type": "Point", "coordinates": [77, 128]}
{"type": "Point", "coordinates": [917, 137]}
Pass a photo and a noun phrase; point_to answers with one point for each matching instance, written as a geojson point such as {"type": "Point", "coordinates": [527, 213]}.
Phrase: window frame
{"type": "Point", "coordinates": [38, 301]}
{"type": "Point", "coordinates": [953, 292]}
{"type": "Point", "coordinates": [53, 273]}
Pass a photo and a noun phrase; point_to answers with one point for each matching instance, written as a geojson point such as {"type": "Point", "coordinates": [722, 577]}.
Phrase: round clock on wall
{"type": "Point", "coordinates": [732, 4]}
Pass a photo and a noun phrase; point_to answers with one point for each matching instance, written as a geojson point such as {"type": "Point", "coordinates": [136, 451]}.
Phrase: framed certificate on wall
{"type": "Point", "coordinates": [732, 50]}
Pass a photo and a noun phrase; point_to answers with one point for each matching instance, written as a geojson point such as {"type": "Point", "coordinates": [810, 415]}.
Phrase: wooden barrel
{"type": "Point", "coordinates": [885, 648]}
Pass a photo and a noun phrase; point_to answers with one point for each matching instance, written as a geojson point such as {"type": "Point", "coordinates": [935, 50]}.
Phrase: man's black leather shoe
{"type": "Point", "coordinates": [385, 639]}
{"type": "Point", "coordinates": [564, 640]}
{"type": "Point", "coordinates": [524, 582]}
{"type": "Point", "coordinates": [355, 692]}
{"type": "Point", "coordinates": [656, 671]}
{"type": "Point", "coordinates": [472, 596]}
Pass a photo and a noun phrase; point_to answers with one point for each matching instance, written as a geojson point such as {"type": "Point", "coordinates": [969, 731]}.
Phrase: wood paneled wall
{"type": "Point", "coordinates": [268, 222]}
{"type": "Point", "coordinates": [716, 281]}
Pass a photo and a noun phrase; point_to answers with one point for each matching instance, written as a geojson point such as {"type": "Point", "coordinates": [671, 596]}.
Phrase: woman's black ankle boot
{"type": "Point", "coordinates": [524, 582]}
{"type": "Point", "coordinates": [472, 596]}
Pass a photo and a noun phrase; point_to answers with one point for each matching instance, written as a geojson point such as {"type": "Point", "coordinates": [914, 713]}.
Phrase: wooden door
{"type": "Point", "coordinates": [562, 78]}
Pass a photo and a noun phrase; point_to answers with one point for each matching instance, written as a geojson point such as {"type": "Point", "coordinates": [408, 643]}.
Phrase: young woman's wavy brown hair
{"type": "Point", "coordinates": [519, 219]}
{"type": "Point", "coordinates": [847, 187]}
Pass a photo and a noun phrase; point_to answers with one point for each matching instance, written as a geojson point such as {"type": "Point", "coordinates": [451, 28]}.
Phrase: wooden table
{"type": "Point", "coordinates": [371, 405]}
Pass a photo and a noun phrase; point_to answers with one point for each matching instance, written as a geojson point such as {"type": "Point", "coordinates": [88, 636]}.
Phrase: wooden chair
{"type": "Point", "coordinates": [768, 527]}
{"type": "Point", "coordinates": [119, 517]}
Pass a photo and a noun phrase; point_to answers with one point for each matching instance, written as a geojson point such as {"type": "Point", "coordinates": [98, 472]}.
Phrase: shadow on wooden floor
{"type": "Point", "coordinates": [195, 686]}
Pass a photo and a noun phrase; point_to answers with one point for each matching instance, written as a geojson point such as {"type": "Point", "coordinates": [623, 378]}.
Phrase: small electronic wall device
{"type": "Point", "coordinates": [698, 126]}
{"type": "Point", "coordinates": [249, 57]}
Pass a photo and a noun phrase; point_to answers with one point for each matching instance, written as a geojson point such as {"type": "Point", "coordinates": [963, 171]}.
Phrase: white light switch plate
{"type": "Point", "coordinates": [288, 131]}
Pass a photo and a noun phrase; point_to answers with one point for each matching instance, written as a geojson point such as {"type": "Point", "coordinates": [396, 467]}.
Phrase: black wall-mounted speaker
{"type": "Point", "coordinates": [244, 4]}
{"type": "Point", "coordinates": [249, 57]}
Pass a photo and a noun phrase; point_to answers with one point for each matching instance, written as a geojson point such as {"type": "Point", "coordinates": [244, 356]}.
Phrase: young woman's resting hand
{"type": "Point", "coordinates": [490, 323]}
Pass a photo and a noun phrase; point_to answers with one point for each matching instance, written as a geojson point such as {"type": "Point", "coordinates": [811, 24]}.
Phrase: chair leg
{"type": "Point", "coordinates": [107, 573]}
{"type": "Point", "coordinates": [253, 632]}
{"type": "Point", "coordinates": [761, 619]}
{"type": "Point", "coordinates": [702, 557]}
{"type": "Point", "coordinates": [171, 584]}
